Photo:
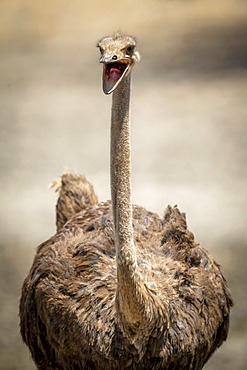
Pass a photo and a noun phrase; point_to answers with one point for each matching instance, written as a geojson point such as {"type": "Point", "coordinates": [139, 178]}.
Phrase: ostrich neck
{"type": "Point", "coordinates": [121, 173]}
{"type": "Point", "coordinates": [134, 301]}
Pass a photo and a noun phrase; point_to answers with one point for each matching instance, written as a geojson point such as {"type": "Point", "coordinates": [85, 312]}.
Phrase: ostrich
{"type": "Point", "coordinates": [118, 287]}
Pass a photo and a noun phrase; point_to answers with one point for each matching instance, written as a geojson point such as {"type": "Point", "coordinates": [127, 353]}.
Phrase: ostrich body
{"type": "Point", "coordinates": [118, 287]}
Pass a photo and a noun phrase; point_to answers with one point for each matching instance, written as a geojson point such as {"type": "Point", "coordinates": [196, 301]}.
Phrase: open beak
{"type": "Point", "coordinates": [113, 73]}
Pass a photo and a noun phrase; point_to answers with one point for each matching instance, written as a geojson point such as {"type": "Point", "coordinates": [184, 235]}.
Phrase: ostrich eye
{"type": "Point", "coordinates": [130, 48]}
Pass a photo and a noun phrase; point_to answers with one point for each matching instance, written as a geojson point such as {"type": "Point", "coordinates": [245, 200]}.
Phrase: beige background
{"type": "Point", "coordinates": [189, 131]}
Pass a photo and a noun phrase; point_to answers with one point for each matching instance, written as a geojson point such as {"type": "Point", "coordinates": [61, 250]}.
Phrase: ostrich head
{"type": "Point", "coordinates": [118, 55]}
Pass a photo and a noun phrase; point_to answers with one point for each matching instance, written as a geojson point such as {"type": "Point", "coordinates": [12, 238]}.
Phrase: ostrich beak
{"type": "Point", "coordinates": [113, 72]}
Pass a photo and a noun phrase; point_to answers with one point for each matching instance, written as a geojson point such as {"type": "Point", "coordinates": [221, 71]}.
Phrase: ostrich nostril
{"type": "Point", "coordinates": [114, 57]}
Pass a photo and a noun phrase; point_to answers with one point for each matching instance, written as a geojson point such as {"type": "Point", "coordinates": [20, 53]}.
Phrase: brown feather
{"type": "Point", "coordinates": [76, 193]}
{"type": "Point", "coordinates": [68, 312]}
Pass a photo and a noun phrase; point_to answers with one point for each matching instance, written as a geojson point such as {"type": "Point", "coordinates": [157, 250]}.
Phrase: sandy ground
{"type": "Point", "coordinates": [188, 132]}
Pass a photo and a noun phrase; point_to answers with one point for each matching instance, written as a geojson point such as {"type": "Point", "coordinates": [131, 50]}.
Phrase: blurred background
{"type": "Point", "coordinates": [189, 110]}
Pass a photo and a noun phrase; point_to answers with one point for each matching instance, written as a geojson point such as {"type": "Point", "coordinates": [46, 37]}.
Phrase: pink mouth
{"type": "Point", "coordinates": [112, 74]}
{"type": "Point", "coordinates": [115, 70]}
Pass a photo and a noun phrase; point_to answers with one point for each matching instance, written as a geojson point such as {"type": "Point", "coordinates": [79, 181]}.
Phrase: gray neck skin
{"type": "Point", "coordinates": [121, 172]}
{"type": "Point", "coordinates": [135, 305]}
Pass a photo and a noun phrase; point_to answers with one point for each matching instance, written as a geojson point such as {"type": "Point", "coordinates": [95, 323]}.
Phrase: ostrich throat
{"type": "Point", "coordinates": [133, 300]}
{"type": "Point", "coordinates": [121, 174]}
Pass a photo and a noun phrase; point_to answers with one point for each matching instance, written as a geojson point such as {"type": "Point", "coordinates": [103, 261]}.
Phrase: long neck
{"type": "Point", "coordinates": [134, 301]}
{"type": "Point", "coordinates": [121, 173]}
